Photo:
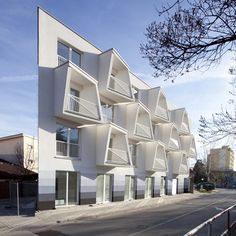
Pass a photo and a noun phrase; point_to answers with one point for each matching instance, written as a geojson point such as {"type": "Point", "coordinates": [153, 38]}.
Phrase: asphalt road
{"type": "Point", "coordinates": [173, 219]}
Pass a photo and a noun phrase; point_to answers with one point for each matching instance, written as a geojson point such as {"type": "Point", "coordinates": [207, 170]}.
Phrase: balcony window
{"type": "Point", "coordinates": [67, 141]}
{"type": "Point", "coordinates": [66, 53]}
{"type": "Point", "coordinates": [107, 112]}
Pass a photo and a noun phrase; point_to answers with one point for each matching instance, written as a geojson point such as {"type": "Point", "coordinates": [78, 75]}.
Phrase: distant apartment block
{"type": "Point", "coordinates": [104, 134]}
{"type": "Point", "coordinates": [20, 149]}
{"type": "Point", "coordinates": [221, 159]}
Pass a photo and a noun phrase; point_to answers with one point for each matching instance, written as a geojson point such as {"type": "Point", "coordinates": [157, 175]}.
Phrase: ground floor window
{"type": "Point", "coordinates": [104, 188]}
{"type": "Point", "coordinates": [149, 187]}
{"type": "Point", "coordinates": [66, 188]}
{"type": "Point", "coordinates": [130, 187]}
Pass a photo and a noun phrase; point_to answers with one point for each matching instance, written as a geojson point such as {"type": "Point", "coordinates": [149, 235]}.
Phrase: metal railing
{"type": "Point", "coordinates": [209, 223]}
{"type": "Point", "coordinates": [67, 150]}
{"type": "Point", "coordinates": [61, 60]}
{"type": "Point", "coordinates": [161, 112]}
{"type": "Point", "coordinates": [159, 164]}
{"type": "Point", "coordinates": [117, 156]}
{"type": "Point", "coordinates": [61, 148]}
{"type": "Point", "coordinates": [143, 130]}
{"type": "Point", "coordinates": [82, 107]}
{"type": "Point", "coordinates": [119, 86]}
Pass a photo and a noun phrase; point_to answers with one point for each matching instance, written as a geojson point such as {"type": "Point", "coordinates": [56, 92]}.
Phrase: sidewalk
{"type": "Point", "coordinates": [42, 219]}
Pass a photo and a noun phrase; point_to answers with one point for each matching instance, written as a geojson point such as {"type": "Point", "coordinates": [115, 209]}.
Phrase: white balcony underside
{"type": "Point", "coordinates": [82, 107]}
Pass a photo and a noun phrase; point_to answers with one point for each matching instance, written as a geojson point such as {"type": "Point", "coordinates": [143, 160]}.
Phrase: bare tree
{"type": "Point", "coordinates": [193, 35]}
{"type": "Point", "coordinates": [223, 123]}
{"type": "Point", "coordinates": [25, 158]}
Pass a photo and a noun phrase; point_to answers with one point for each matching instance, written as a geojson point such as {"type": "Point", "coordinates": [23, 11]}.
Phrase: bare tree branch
{"type": "Point", "coordinates": [25, 158]}
{"type": "Point", "coordinates": [191, 37]}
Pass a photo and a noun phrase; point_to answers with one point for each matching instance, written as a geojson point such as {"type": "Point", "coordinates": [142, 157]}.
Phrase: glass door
{"type": "Point", "coordinates": [129, 187]}
{"type": "Point", "coordinates": [60, 188]}
{"type": "Point", "coordinates": [66, 188]}
{"type": "Point", "coordinates": [100, 187]}
{"type": "Point", "coordinates": [108, 188]}
{"type": "Point", "coordinates": [149, 187]}
{"type": "Point", "coordinates": [162, 186]}
{"type": "Point", "coordinates": [72, 188]}
{"type": "Point", "coordinates": [104, 188]}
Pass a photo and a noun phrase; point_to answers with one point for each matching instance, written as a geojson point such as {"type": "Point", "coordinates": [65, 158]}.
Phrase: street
{"type": "Point", "coordinates": [171, 219]}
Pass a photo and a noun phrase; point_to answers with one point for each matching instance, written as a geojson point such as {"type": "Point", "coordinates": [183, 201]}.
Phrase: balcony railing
{"type": "Point", "coordinates": [62, 149]}
{"type": "Point", "coordinates": [159, 164]}
{"type": "Point", "coordinates": [162, 112]}
{"type": "Point", "coordinates": [173, 143]}
{"type": "Point", "coordinates": [82, 107]}
{"type": "Point", "coordinates": [143, 130]}
{"type": "Point", "coordinates": [117, 156]}
{"type": "Point", "coordinates": [61, 60]}
{"type": "Point", "coordinates": [119, 86]}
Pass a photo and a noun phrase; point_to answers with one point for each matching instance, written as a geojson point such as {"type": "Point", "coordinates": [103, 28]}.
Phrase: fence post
{"type": "Point", "coordinates": [17, 198]}
{"type": "Point", "coordinates": [228, 219]}
{"type": "Point", "coordinates": [210, 229]}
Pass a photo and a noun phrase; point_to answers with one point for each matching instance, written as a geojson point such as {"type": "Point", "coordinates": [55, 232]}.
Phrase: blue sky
{"type": "Point", "coordinates": [106, 23]}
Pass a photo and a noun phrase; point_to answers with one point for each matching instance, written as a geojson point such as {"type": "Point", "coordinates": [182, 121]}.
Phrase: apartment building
{"type": "Point", "coordinates": [221, 159]}
{"type": "Point", "coordinates": [20, 149]}
{"type": "Point", "coordinates": [104, 134]}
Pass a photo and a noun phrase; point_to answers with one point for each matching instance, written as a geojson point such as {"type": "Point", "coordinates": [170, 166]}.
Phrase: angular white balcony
{"type": "Point", "coordinates": [155, 157]}
{"type": "Point", "coordinates": [188, 145]}
{"type": "Point", "coordinates": [155, 100]}
{"type": "Point", "coordinates": [168, 134]}
{"type": "Point", "coordinates": [76, 95]}
{"type": "Point", "coordinates": [180, 118]}
{"type": "Point", "coordinates": [113, 77]}
{"type": "Point", "coordinates": [112, 146]}
{"type": "Point", "coordinates": [136, 119]}
{"type": "Point", "coordinates": [177, 163]}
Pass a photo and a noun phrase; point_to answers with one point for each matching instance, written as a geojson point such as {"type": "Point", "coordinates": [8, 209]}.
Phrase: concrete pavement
{"type": "Point", "coordinates": [19, 225]}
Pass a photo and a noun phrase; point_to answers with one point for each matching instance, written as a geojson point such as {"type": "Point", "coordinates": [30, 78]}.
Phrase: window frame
{"type": "Point", "coordinates": [68, 143]}
{"type": "Point", "coordinates": [78, 184]}
{"type": "Point", "coordinates": [71, 49]}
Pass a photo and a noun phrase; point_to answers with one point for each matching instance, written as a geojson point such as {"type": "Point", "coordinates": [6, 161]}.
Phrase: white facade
{"type": "Point", "coordinates": [104, 135]}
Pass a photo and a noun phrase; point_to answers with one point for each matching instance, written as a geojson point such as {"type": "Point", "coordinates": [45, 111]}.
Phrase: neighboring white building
{"type": "Point", "coordinates": [20, 149]}
{"type": "Point", "coordinates": [104, 135]}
